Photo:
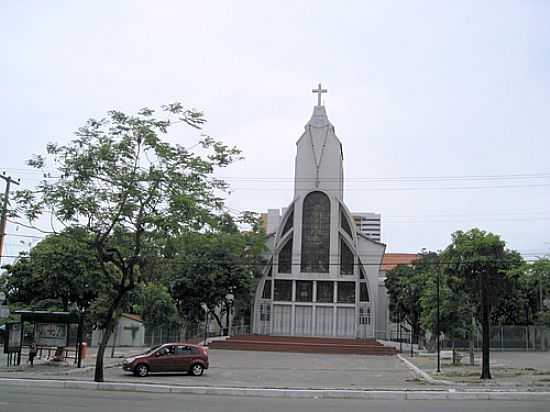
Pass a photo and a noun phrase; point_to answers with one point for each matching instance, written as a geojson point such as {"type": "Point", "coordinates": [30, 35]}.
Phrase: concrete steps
{"type": "Point", "coordinates": [303, 344]}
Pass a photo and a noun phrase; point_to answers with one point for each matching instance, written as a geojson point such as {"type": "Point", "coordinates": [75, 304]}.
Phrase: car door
{"type": "Point", "coordinates": [163, 359]}
{"type": "Point", "coordinates": [184, 356]}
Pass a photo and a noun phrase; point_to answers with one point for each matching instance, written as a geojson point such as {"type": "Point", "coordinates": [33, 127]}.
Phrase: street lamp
{"type": "Point", "coordinates": [204, 307]}
{"type": "Point", "coordinates": [437, 327]}
{"type": "Point", "coordinates": [229, 299]}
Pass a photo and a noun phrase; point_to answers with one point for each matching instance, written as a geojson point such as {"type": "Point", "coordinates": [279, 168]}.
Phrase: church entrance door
{"type": "Point", "coordinates": [282, 319]}
{"type": "Point", "coordinates": [345, 322]}
{"type": "Point", "coordinates": [324, 316]}
{"type": "Point", "coordinates": [303, 320]}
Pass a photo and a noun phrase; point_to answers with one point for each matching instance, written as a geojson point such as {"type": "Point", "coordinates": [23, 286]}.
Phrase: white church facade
{"type": "Point", "coordinates": [323, 273]}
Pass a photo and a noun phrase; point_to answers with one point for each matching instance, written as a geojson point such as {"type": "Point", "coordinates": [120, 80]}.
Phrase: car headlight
{"type": "Point", "coordinates": [130, 360]}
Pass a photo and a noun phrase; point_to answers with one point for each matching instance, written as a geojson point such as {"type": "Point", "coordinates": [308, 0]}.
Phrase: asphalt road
{"type": "Point", "coordinates": [21, 399]}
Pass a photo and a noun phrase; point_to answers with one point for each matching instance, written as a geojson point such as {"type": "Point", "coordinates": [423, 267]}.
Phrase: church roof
{"type": "Point", "coordinates": [362, 235]}
{"type": "Point", "coordinates": [392, 260]}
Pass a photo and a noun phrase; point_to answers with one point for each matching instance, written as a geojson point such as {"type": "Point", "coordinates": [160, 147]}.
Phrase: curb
{"type": "Point", "coordinates": [424, 375]}
{"type": "Point", "coordinates": [450, 394]}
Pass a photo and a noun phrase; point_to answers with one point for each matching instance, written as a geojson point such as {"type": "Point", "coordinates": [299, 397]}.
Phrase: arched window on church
{"type": "Point", "coordinates": [344, 222]}
{"type": "Point", "coordinates": [346, 259]}
{"type": "Point", "coordinates": [316, 233]}
{"type": "Point", "coordinates": [285, 258]}
{"type": "Point", "coordinates": [363, 292]}
{"type": "Point", "coordinates": [289, 222]}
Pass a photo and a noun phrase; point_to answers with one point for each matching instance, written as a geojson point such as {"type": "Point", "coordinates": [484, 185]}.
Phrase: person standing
{"type": "Point", "coordinates": [33, 350]}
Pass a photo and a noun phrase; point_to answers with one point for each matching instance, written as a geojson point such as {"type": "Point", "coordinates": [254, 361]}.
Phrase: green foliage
{"type": "Point", "coordinates": [156, 306]}
{"type": "Point", "coordinates": [61, 272]}
{"type": "Point", "coordinates": [404, 286]}
{"type": "Point", "coordinates": [535, 282]}
{"type": "Point", "coordinates": [205, 267]}
{"type": "Point", "coordinates": [131, 191]}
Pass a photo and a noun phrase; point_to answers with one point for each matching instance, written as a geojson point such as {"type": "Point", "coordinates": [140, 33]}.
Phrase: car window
{"type": "Point", "coordinates": [183, 350]}
{"type": "Point", "coordinates": [166, 350]}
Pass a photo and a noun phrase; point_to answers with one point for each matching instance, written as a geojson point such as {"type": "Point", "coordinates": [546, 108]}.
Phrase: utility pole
{"type": "Point", "coordinates": [4, 216]}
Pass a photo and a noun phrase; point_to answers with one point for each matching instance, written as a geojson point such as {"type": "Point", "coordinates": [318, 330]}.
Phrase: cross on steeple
{"type": "Point", "coordinates": [319, 90]}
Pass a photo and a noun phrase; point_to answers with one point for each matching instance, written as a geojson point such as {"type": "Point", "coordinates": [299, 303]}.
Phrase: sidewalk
{"type": "Point", "coordinates": [284, 375]}
{"type": "Point", "coordinates": [529, 370]}
{"type": "Point", "coordinates": [44, 368]}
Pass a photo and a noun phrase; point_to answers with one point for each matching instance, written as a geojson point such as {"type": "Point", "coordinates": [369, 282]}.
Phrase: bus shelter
{"type": "Point", "coordinates": [51, 331]}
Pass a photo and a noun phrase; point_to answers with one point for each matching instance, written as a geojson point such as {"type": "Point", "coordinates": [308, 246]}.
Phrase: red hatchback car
{"type": "Point", "coordinates": [169, 357]}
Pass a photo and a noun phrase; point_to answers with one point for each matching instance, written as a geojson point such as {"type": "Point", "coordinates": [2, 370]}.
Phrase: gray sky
{"type": "Point", "coordinates": [416, 89]}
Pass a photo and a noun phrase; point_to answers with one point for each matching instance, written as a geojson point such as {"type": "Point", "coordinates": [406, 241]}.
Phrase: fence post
{"type": "Point", "coordinates": [501, 338]}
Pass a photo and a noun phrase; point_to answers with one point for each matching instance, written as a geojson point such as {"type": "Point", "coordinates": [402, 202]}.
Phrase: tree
{"type": "Point", "coordinates": [479, 261]}
{"type": "Point", "coordinates": [129, 189]}
{"type": "Point", "coordinates": [404, 286]}
{"type": "Point", "coordinates": [537, 282]}
{"type": "Point", "coordinates": [61, 268]}
{"type": "Point", "coordinates": [205, 267]}
{"type": "Point", "coordinates": [156, 306]}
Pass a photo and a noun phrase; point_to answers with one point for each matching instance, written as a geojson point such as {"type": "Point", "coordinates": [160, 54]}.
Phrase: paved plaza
{"type": "Point", "coordinates": [254, 370]}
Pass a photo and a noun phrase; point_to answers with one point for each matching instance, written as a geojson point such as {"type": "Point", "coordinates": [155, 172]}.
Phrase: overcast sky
{"type": "Point", "coordinates": [457, 92]}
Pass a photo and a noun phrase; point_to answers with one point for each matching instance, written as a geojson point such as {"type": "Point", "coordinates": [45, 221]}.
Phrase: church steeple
{"type": "Point", "coordinates": [319, 156]}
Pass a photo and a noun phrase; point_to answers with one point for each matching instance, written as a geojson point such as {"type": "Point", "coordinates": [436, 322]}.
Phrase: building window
{"type": "Point", "coordinates": [346, 292]}
{"type": "Point", "coordinates": [316, 233]}
{"type": "Point", "coordinates": [265, 312]}
{"type": "Point", "coordinates": [344, 222]}
{"type": "Point", "coordinates": [361, 271]}
{"type": "Point", "coordinates": [285, 258]}
{"type": "Point", "coordinates": [283, 290]}
{"type": "Point", "coordinates": [289, 222]}
{"type": "Point", "coordinates": [325, 291]}
{"type": "Point", "coordinates": [304, 291]}
{"type": "Point", "coordinates": [346, 259]}
{"type": "Point", "coordinates": [364, 316]}
{"type": "Point", "coordinates": [266, 294]}
{"type": "Point", "coordinates": [363, 292]}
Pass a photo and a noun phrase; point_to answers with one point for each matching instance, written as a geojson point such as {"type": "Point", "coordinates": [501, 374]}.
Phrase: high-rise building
{"type": "Point", "coordinates": [368, 224]}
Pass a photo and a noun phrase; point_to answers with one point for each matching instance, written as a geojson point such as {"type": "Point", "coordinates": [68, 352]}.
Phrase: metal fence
{"type": "Point", "coordinates": [159, 335]}
{"type": "Point", "coordinates": [503, 338]}
{"type": "Point", "coordinates": [508, 338]}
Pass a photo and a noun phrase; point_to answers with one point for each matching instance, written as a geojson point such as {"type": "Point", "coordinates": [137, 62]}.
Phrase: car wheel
{"type": "Point", "coordinates": [196, 369]}
{"type": "Point", "coordinates": [141, 370]}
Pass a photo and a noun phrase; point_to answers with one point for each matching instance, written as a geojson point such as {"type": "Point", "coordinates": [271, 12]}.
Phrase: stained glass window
{"type": "Point", "coordinates": [363, 292]}
{"type": "Point", "coordinates": [344, 222]}
{"type": "Point", "coordinates": [325, 291]}
{"type": "Point", "coordinates": [266, 294]}
{"type": "Point", "coordinates": [285, 258]}
{"type": "Point", "coordinates": [304, 291]}
{"type": "Point", "coordinates": [346, 292]}
{"type": "Point", "coordinates": [346, 259]}
{"type": "Point", "coordinates": [316, 233]}
{"type": "Point", "coordinates": [283, 290]}
{"type": "Point", "coordinates": [289, 223]}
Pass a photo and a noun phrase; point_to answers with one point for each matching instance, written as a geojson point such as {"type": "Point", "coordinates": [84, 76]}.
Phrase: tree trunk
{"type": "Point", "coordinates": [472, 340]}
{"type": "Point", "coordinates": [217, 318]}
{"type": "Point", "coordinates": [101, 351]}
{"type": "Point", "coordinates": [486, 336]}
{"type": "Point", "coordinates": [113, 347]}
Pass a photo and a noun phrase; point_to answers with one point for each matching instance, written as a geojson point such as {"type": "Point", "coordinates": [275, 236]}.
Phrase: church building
{"type": "Point", "coordinates": [322, 276]}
